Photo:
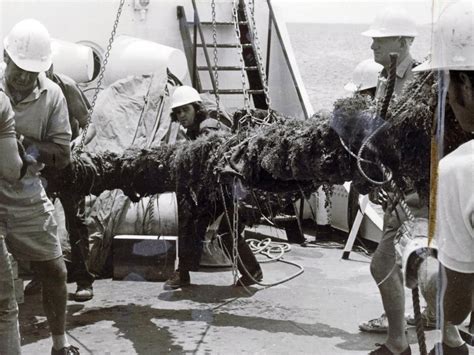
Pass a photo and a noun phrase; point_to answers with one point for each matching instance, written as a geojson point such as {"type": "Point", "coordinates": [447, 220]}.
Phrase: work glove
{"type": "Point", "coordinates": [29, 162]}
{"type": "Point", "coordinates": [23, 157]}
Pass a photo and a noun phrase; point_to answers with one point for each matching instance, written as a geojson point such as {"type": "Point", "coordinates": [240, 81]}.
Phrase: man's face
{"type": "Point", "coordinates": [461, 100]}
{"type": "Point", "coordinates": [19, 79]}
{"type": "Point", "coordinates": [185, 115]}
{"type": "Point", "coordinates": [382, 48]}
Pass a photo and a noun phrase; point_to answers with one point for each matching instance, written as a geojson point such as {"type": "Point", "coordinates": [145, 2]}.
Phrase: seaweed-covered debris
{"type": "Point", "coordinates": [284, 156]}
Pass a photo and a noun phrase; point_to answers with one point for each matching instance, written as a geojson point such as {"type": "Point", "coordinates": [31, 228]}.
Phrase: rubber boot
{"type": "Point", "coordinates": [248, 265]}
{"type": "Point", "coordinates": [248, 262]}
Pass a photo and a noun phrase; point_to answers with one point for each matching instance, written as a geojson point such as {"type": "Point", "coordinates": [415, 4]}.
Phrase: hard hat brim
{"type": "Point", "coordinates": [372, 33]}
{"type": "Point", "coordinates": [380, 34]}
{"type": "Point", "coordinates": [33, 66]}
{"type": "Point", "coordinates": [425, 66]}
{"type": "Point", "coordinates": [179, 104]}
{"type": "Point", "coordinates": [431, 65]}
{"type": "Point", "coordinates": [351, 87]}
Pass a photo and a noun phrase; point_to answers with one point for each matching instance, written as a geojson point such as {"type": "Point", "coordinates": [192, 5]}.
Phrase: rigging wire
{"type": "Point", "coordinates": [80, 148]}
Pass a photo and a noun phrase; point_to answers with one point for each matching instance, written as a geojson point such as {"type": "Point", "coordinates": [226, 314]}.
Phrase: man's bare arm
{"type": "Point", "coordinates": [10, 163]}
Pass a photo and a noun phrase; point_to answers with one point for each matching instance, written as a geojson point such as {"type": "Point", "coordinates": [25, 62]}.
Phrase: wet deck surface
{"type": "Point", "coordinates": [316, 313]}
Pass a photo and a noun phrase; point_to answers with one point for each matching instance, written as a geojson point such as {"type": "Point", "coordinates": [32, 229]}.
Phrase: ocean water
{"type": "Point", "coordinates": [327, 54]}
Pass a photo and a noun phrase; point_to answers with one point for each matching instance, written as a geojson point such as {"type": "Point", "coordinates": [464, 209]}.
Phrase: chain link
{"type": "Point", "coordinates": [216, 58]}
{"type": "Point", "coordinates": [258, 50]}
{"type": "Point", "coordinates": [80, 147]}
{"type": "Point", "coordinates": [235, 18]}
{"type": "Point", "coordinates": [235, 236]}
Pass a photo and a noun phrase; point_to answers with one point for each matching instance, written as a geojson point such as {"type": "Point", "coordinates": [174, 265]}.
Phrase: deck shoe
{"type": "Point", "coordinates": [33, 287]}
{"type": "Point", "coordinates": [376, 325]}
{"type": "Point", "coordinates": [428, 321]}
{"type": "Point", "coordinates": [247, 280]}
{"type": "Point", "coordinates": [83, 293]}
{"type": "Point", "coordinates": [179, 278]}
{"type": "Point", "coordinates": [447, 350]}
{"type": "Point", "coordinates": [69, 350]}
{"type": "Point", "coordinates": [467, 337]}
{"type": "Point", "coordinates": [383, 350]}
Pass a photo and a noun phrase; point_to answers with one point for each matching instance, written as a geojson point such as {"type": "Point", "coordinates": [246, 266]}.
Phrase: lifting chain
{"type": "Point", "coordinates": [236, 230]}
{"type": "Point", "coordinates": [258, 50]}
{"type": "Point", "coordinates": [232, 225]}
{"type": "Point", "coordinates": [80, 147]}
{"type": "Point", "coordinates": [235, 17]}
{"type": "Point", "coordinates": [216, 59]}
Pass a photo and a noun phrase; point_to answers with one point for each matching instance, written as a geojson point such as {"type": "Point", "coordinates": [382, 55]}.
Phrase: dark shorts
{"type": "Point", "coordinates": [457, 290]}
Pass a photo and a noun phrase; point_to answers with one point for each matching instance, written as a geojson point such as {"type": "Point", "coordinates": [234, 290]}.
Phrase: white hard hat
{"type": "Point", "coordinates": [393, 22]}
{"type": "Point", "coordinates": [364, 76]}
{"type": "Point", "coordinates": [453, 39]}
{"type": "Point", "coordinates": [29, 46]}
{"type": "Point", "coordinates": [184, 95]}
{"type": "Point", "coordinates": [411, 244]}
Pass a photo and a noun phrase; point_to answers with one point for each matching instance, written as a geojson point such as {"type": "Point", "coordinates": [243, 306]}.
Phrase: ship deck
{"type": "Point", "coordinates": [315, 313]}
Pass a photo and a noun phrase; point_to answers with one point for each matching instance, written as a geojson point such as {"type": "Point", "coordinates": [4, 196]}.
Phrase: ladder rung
{"type": "Point", "coordinates": [228, 68]}
{"type": "Point", "coordinates": [219, 23]}
{"type": "Point", "coordinates": [225, 45]}
{"type": "Point", "coordinates": [235, 91]}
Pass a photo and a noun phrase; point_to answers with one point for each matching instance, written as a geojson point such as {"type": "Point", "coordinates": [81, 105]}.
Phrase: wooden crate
{"type": "Point", "coordinates": [144, 257]}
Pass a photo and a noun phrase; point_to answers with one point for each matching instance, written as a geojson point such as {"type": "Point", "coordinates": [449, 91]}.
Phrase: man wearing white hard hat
{"type": "Point", "coordinates": [42, 124]}
{"type": "Point", "coordinates": [393, 31]}
{"type": "Point", "coordinates": [190, 112]}
{"type": "Point", "coordinates": [364, 78]}
{"type": "Point", "coordinates": [453, 55]}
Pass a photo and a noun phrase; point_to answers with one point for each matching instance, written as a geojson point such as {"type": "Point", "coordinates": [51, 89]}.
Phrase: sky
{"type": "Point", "coordinates": [348, 11]}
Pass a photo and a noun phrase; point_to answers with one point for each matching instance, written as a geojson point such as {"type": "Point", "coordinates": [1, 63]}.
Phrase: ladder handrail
{"type": "Point", "coordinates": [189, 48]}
{"type": "Point", "coordinates": [287, 59]}
{"type": "Point", "coordinates": [203, 42]}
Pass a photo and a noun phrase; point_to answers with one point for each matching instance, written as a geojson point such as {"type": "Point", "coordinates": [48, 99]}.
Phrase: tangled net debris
{"type": "Point", "coordinates": [288, 156]}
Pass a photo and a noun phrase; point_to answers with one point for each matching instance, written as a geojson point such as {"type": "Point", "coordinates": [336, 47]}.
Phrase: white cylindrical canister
{"type": "Point", "coordinates": [160, 217]}
{"type": "Point", "coordinates": [135, 56]}
{"type": "Point", "coordinates": [73, 59]}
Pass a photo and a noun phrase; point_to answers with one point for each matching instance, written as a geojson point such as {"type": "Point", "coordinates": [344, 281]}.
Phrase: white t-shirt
{"type": "Point", "coordinates": [43, 116]}
{"type": "Point", "coordinates": [455, 209]}
{"type": "Point", "coordinates": [7, 123]}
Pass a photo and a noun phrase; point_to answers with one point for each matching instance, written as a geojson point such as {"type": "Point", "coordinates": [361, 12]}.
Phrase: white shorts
{"type": "Point", "coordinates": [32, 238]}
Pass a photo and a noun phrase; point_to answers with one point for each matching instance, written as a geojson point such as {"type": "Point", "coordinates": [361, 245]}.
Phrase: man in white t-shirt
{"type": "Point", "coordinates": [453, 53]}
